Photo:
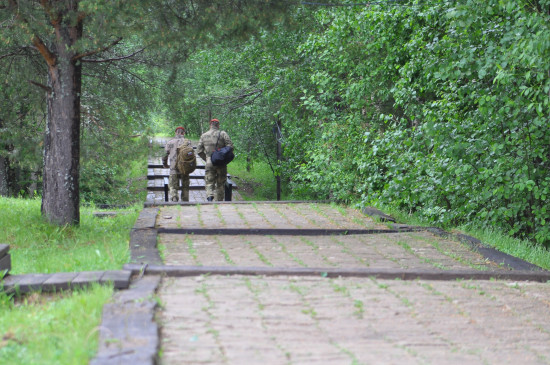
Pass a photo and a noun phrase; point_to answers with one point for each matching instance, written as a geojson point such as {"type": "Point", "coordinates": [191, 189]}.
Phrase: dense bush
{"type": "Point", "coordinates": [441, 109]}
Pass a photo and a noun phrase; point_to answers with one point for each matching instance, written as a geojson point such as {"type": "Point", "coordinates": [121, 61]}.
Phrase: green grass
{"type": "Point", "coordinates": [55, 329]}
{"type": "Point", "coordinates": [258, 184]}
{"type": "Point", "coordinates": [39, 247]}
{"type": "Point", "coordinates": [58, 328]}
{"type": "Point", "coordinates": [522, 249]}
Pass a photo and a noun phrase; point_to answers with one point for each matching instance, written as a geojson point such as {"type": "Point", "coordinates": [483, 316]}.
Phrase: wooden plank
{"type": "Point", "coordinates": [5, 264]}
{"type": "Point", "coordinates": [30, 282]}
{"type": "Point", "coordinates": [128, 333]}
{"type": "Point", "coordinates": [147, 218]}
{"type": "Point", "coordinates": [391, 274]}
{"type": "Point", "coordinates": [119, 278]}
{"type": "Point", "coordinates": [86, 278]}
{"type": "Point", "coordinates": [143, 247]}
{"type": "Point", "coordinates": [277, 231]}
{"type": "Point", "coordinates": [59, 281]}
{"type": "Point", "coordinates": [9, 282]}
{"type": "Point", "coordinates": [4, 249]}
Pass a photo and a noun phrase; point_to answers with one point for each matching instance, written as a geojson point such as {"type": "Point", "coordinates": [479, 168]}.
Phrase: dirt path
{"type": "Point", "coordinates": [316, 318]}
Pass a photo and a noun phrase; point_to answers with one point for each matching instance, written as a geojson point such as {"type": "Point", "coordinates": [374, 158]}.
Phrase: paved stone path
{"type": "Point", "coordinates": [318, 319]}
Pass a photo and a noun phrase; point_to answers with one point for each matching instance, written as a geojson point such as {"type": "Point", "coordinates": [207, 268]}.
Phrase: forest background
{"type": "Point", "coordinates": [437, 108]}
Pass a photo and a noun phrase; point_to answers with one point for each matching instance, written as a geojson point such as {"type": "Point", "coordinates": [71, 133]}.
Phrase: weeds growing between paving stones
{"type": "Point", "coordinates": [348, 251]}
{"type": "Point", "coordinates": [224, 252]}
{"type": "Point", "coordinates": [191, 249]}
{"type": "Point", "coordinates": [241, 215]}
{"type": "Point", "coordinates": [203, 290]}
{"type": "Point", "coordinates": [220, 215]}
{"type": "Point", "coordinates": [255, 289]}
{"type": "Point", "coordinates": [435, 244]}
{"type": "Point", "coordinates": [178, 218]}
{"type": "Point", "coordinates": [282, 215]}
{"type": "Point", "coordinates": [289, 254]}
{"type": "Point", "coordinates": [199, 216]}
{"type": "Point", "coordinates": [261, 214]}
{"type": "Point", "coordinates": [260, 255]}
{"type": "Point", "coordinates": [316, 249]}
{"type": "Point", "coordinates": [427, 260]}
{"type": "Point", "coordinates": [299, 212]}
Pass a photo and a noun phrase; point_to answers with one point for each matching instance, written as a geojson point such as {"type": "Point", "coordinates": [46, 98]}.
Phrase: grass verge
{"type": "Point", "coordinates": [259, 183]}
{"type": "Point", "coordinates": [59, 328]}
{"type": "Point", "coordinates": [39, 247]}
{"type": "Point", "coordinates": [51, 329]}
{"type": "Point", "coordinates": [522, 249]}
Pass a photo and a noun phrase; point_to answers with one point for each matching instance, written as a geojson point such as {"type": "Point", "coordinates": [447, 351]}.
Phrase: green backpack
{"type": "Point", "coordinates": [186, 161]}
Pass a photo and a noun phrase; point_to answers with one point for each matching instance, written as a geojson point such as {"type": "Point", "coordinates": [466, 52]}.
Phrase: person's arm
{"type": "Point", "coordinates": [200, 150]}
{"type": "Point", "coordinates": [165, 157]}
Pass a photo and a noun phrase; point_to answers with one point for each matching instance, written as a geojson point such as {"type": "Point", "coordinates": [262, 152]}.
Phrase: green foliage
{"type": "Point", "coordinates": [58, 329]}
{"type": "Point", "coordinates": [440, 110]}
{"type": "Point", "coordinates": [256, 182]}
{"type": "Point", "coordinates": [36, 246]}
{"type": "Point", "coordinates": [113, 169]}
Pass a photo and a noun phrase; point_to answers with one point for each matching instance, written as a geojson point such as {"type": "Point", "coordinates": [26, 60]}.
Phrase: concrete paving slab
{"type": "Point", "coordinates": [213, 319]}
{"type": "Point", "coordinates": [265, 215]}
{"type": "Point", "coordinates": [397, 250]}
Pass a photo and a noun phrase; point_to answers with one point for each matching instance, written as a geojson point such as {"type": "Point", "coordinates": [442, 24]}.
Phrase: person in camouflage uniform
{"type": "Point", "coordinates": [214, 176]}
{"type": "Point", "coordinates": [175, 177]}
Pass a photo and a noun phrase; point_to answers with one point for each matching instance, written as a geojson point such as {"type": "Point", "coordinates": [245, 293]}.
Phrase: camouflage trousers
{"type": "Point", "coordinates": [174, 185]}
{"type": "Point", "coordinates": [214, 178]}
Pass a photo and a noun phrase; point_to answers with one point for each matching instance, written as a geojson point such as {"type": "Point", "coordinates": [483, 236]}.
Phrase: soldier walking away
{"type": "Point", "coordinates": [175, 177]}
{"type": "Point", "coordinates": [214, 176]}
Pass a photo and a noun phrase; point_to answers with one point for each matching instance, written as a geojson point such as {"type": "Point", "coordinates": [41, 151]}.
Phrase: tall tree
{"type": "Point", "coordinates": [67, 33]}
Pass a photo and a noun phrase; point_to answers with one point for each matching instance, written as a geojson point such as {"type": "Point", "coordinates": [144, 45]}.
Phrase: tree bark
{"type": "Point", "coordinates": [4, 176]}
{"type": "Point", "coordinates": [61, 196]}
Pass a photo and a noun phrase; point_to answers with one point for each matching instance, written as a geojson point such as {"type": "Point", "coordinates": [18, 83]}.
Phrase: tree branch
{"type": "Point", "coordinates": [114, 59]}
{"type": "Point", "coordinates": [44, 51]}
{"type": "Point", "coordinates": [91, 53]}
{"type": "Point", "coordinates": [47, 88]}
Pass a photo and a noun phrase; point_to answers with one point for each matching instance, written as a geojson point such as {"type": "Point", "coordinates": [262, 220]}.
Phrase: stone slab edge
{"type": "Point", "coordinates": [4, 249]}
{"type": "Point", "coordinates": [143, 238]}
{"type": "Point", "coordinates": [147, 218]}
{"type": "Point", "coordinates": [128, 333]}
{"type": "Point", "coordinates": [403, 274]}
{"type": "Point", "coordinates": [281, 231]}
{"type": "Point", "coordinates": [242, 202]}
{"type": "Point", "coordinates": [26, 283]}
{"type": "Point", "coordinates": [490, 253]}
{"type": "Point", "coordinates": [5, 265]}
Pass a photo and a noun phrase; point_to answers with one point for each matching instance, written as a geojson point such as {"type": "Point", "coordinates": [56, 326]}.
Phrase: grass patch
{"type": "Point", "coordinates": [257, 184]}
{"type": "Point", "coordinates": [522, 249]}
{"type": "Point", "coordinates": [39, 247]}
{"type": "Point", "coordinates": [51, 329]}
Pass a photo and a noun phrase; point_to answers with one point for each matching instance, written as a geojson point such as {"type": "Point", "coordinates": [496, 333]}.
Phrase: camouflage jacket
{"type": "Point", "coordinates": [171, 149]}
{"type": "Point", "coordinates": [207, 143]}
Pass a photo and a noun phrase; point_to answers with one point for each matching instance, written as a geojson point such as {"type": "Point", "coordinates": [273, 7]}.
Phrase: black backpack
{"type": "Point", "coordinates": [222, 156]}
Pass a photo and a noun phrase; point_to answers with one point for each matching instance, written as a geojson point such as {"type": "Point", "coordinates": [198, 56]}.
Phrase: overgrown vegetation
{"type": "Point", "coordinates": [439, 109]}
{"type": "Point", "coordinates": [256, 181]}
{"type": "Point", "coordinates": [51, 329]}
{"type": "Point", "coordinates": [39, 247]}
{"type": "Point", "coordinates": [34, 328]}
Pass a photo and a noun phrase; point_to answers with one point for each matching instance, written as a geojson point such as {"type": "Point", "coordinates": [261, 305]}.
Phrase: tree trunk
{"type": "Point", "coordinates": [61, 196]}
{"type": "Point", "coordinates": [4, 176]}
